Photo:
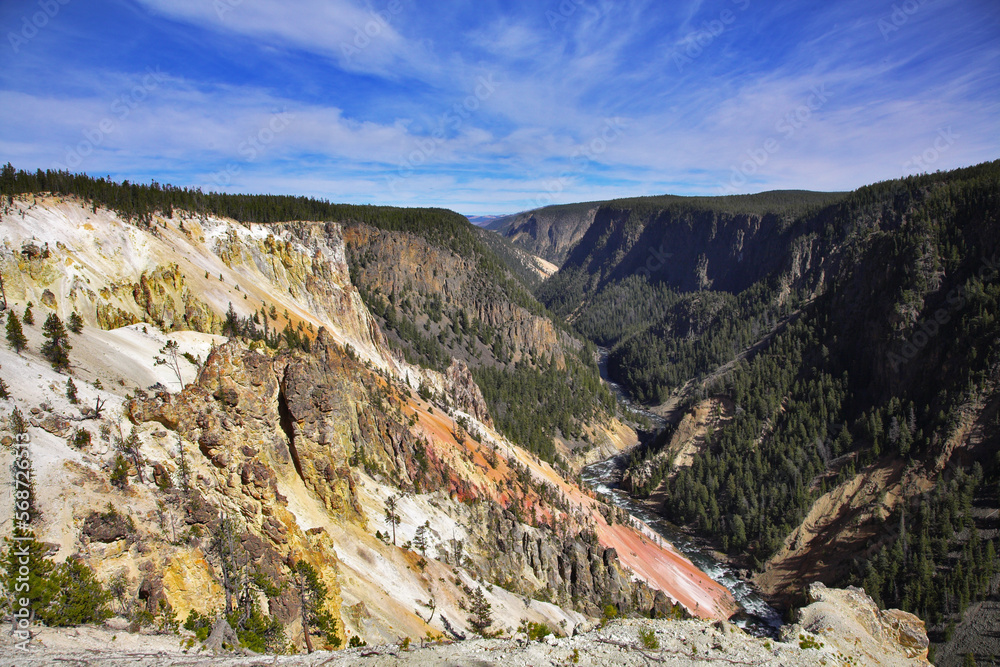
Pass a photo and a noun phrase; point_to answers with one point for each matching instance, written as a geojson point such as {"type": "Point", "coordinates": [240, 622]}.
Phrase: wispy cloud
{"type": "Point", "coordinates": [497, 109]}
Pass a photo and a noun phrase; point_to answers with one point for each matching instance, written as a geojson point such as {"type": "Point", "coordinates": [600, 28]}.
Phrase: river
{"type": "Point", "coordinates": [759, 617]}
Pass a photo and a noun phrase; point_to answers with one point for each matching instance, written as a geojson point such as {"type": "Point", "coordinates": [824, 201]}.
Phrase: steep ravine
{"type": "Point", "coordinates": [604, 478]}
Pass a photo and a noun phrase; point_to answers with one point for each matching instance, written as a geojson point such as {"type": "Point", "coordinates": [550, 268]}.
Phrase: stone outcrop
{"type": "Point", "coordinates": [233, 413]}
{"type": "Point", "coordinates": [573, 572]}
{"type": "Point", "coordinates": [852, 622]}
{"type": "Point", "coordinates": [464, 391]}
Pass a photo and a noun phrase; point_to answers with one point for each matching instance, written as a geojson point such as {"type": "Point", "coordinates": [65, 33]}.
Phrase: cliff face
{"type": "Point", "coordinates": [567, 570]}
{"type": "Point", "coordinates": [691, 249]}
{"type": "Point", "coordinates": [184, 272]}
{"type": "Point", "coordinates": [549, 233]}
{"type": "Point", "coordinates": [446, 296]}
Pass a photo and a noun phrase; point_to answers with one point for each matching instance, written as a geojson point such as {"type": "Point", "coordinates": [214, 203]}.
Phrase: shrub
{"type": "Point", "coordinates": [648, 639]}
{"type": "Point", "coordinates": [119, 473]}
{"type": "Point", "coordinates": [78, 597]}
{"type": "Point", "coordinates": [81, 438]}
{"type": "Point", "coordinates": [200, 625]}
{"type": "Point", "coordinates": [259, 632]}
{"type": "Point", "coordinates": [536, 631]}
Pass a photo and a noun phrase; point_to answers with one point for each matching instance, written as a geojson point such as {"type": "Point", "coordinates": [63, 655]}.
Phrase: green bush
{"type": "Point", "coordinates": [119, 473]}
{"type": "Point", "coordinates": [536, 631]}
{"type": "Point", "coordinates": [648, 639]}
{"type": "Point", "coordinates": [259, 632]}
{"type": "Point", "coordinates": [81, 438]}
{"type": "Point", "coordinates": [200, 625]}
{"type": "Point", "coordinates": [77, 597]}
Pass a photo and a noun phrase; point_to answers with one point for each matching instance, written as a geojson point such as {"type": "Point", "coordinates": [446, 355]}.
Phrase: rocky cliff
{"type": "Point", "coordinates": [450, 299]}
{"type": "Point", "coordinates": [549, 233]}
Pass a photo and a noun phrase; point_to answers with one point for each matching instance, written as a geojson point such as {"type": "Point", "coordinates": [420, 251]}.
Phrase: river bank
{"type": "Point", "coordinates": [758, 617]}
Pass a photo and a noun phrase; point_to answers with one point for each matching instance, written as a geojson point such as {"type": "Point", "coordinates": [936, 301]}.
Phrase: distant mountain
{"type": "Point", "coordinates": [554, 231]}
{"type": "Point", "coordinates": [484, 220]}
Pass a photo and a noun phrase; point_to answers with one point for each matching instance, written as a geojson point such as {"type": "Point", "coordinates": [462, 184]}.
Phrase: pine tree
{"type": "Point", "coordinates": [130, 448]}
{"type": "Point", "coordinates": [119, 472]}
{"type": "Point", "coordinates": [79, 596]}
{"type": "Point", "coordinates": [4, 390]}
{"type": "Point", "coordinates": [420, 538]}
{"type": "Point", "coordinates": [184, 470]}
{"type": "Point", "coordinates": [71, 391]}
{"type": "Point", "coordinates": [15, 334]}
{"type": "Point", "coordinates": [229, 548]}
{"type": "Point", "coordinates": [28, 318]}
{"type": "Point", "coordinates": [56, 346]}
{"type": "Point", "coordinates": [391, 515]}
{"type": "Point", "coordinates": [480, 611]}
{"type": "Point", "coordinates": [29, 572]}
{"type": "Point", "coordinates": [75, 323]}
{"type": "Point", "coordinates": [171, 358]}
{"type": "Point", "coordinates": [312, 599]}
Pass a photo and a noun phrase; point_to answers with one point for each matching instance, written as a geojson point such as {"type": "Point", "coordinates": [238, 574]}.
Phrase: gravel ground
{"type": "Point", "coordinates": [616, 645]}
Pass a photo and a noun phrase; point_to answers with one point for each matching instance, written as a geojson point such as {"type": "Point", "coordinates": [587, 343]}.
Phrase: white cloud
{"type": "Point", "coordinates": [356, 37]}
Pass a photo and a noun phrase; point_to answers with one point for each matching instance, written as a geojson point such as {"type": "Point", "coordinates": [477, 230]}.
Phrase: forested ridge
{"type": "Point", "coordinates": [499, 275]}
{"type": "Point", "coordinates": [865, 337]}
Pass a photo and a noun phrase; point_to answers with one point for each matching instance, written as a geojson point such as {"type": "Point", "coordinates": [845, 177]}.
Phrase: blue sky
{"type": "Point", "coordinates": [494, 107]}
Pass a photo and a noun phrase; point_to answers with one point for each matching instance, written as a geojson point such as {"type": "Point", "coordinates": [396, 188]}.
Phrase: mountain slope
{"type": "Point", "coordinates": [858, 349]}
{"type": "Point", "coordinates": [294, 429]}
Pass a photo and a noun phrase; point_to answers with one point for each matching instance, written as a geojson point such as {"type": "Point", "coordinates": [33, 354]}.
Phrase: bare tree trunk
{"type": "Point", "coordinates": [305, 616]}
